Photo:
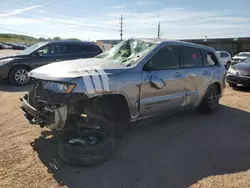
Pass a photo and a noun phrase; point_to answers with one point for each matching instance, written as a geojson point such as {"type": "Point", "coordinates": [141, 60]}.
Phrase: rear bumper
{"type": "Point", "coordinates": [234, 79]}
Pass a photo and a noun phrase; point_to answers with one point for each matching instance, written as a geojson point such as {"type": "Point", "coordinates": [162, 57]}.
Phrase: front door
{"type": "Point", "coordinates": [162, 83]}
{"type": "Point", "coordinates": [45, 55]}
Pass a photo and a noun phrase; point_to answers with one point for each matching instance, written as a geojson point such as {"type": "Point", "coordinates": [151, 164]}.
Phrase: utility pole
{"type": "Point", "coordinates": [121, 31]}
{"type": "Point", "coordinates": [159, 30]}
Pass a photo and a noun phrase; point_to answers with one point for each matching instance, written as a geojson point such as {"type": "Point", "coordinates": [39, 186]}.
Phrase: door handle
{"type": "Point", "coordinates": [177, 74]}
{"type": "Point", "coordinates": [58, 59]}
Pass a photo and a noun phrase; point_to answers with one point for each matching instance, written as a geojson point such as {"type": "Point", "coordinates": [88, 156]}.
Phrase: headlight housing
{"type": "Point", "coordinates": [5, 61]}
{"type": "Point", "coordinates": [60, 87]}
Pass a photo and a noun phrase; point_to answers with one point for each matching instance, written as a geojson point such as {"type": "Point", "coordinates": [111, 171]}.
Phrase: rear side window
{"type": "Point", "coordinates": [225, 55]}
{"type": "Point", "coordinates": [166, 58]}
{"type": "Point", "coordinates": [191, 57]}
{"type": "Point", "coordinates": [88, 48]}
{"type": "Point", "coordinates": [210, 59]}
{"type": "Point", "coordinates": [71, 49]}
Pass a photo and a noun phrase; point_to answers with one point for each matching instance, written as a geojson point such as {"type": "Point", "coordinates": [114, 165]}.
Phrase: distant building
{"type": "Point", "coordinates": [232, 45]}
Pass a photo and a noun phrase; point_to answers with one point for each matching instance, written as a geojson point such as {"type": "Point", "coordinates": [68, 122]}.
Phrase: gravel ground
{"type": "Point", "coordinates": [185, 150]}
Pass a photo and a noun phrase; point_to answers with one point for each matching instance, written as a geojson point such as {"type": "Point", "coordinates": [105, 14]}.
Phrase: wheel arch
{"type": "Point", "coordinates": [19, 65]}
{"type": "Point", "coordinates": [115, 103]}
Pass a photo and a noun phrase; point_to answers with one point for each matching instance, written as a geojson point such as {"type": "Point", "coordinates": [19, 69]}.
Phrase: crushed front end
{"type": "Point", "coordinates": [52, 104]}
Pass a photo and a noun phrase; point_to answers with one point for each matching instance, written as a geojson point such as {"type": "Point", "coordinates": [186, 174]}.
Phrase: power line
{"type": "Point", "coordinates": [27, 2]}
{"type": "Point", "coordinates": [64, 23]}
{"type": "Point", "coordinates": [60, 13]}
{"type": "Point", "coordinates": [26, 33]}
{"type": "Point", "coordinates": [121, 30]}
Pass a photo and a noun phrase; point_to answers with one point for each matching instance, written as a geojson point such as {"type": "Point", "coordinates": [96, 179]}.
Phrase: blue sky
{"type": "Point", "coordinates": [93, 19]}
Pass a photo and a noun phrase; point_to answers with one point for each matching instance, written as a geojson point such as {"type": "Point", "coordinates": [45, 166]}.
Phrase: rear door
{"type": "Point", "coordinates": [195, 74]}
{"type": "Point", "coordinates": [162, 83]}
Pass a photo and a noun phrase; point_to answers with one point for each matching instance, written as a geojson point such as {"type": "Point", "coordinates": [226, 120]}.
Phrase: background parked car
{"type": "Point", "coordinates": [15, 68]}
{"type": "Point", "coordinates": [225, 58]}
{"type": "Point", "coordinates": [239, 74]}
{"type": "Point", "coordinates": [240, 57]}
{"type": "Point", "coordinates": [6, 46]}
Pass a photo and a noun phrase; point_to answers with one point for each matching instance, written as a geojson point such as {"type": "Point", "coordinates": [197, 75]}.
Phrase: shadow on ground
{"type": "Point", "coordinates": [5, 86]}
{"type": "Point", "coordinates": [242, 89]}
{"type": "Point", "coordinates": [175, 152]}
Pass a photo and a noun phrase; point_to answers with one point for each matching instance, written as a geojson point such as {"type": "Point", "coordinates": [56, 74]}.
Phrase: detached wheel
{"type": "Point", "coordinates": [232, 85]}
{"type": "Point", "coordinates": [19, 76]}
{"type": "Point", "coordinates": [87, 147]}
{"type": "Point", "coordinates": [210, 102]}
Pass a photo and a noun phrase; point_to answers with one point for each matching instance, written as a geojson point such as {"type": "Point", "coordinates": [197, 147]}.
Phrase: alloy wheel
{"type": "Point", "coordinates": [21, 76]}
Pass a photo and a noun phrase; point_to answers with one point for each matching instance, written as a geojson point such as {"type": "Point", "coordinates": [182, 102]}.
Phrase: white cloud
{"type": "Point", "coordinates": [19, 11]}
{"type": "Point", "coordinates": [42, 11]}
{"type": "Point", "coordinates": [118, 6]}
{"type": "Point", "coordinates": [144, 2]}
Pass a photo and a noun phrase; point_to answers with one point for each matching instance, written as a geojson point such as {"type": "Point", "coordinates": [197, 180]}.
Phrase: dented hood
{"type": "Point", "coordinates": [67, 70]}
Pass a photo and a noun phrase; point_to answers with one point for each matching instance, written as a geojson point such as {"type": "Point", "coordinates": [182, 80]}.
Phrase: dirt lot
{"type": "Point", "coordinates": [183, 150]}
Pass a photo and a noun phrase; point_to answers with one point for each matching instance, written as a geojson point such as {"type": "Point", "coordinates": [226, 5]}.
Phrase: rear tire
{"type": "Point", "coordinates": [19, 76]}
{"type": "Point", "coordinates": [210, 102]}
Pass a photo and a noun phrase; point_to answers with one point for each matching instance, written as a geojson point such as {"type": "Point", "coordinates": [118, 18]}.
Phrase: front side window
{"type": "Point", "coordinates": [166, 58]}
{"type": "Point", "coordinates": [49, 50]}
{"type": "Point", "coordinates": [192, 57]}
{"type": "Point", "coordinates": [225, 55]}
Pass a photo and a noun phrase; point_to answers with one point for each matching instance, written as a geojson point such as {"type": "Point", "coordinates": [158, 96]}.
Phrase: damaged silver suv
{"type": "Point", "coordinates": [86, 99]}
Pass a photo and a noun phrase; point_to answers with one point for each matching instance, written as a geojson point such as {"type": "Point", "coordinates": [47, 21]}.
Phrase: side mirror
{"type": "Point", "coordinates": [157, 82]}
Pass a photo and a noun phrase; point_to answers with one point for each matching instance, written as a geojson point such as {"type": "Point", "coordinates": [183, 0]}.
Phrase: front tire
{"type": "Point", "coordinates": [232, 85]}
{"type": "Point", "coordinates": [19, 76]}
{"type": "Point", "coordinates": [87, 153]}
{"type": "Point", "coordinates": [210, 102]}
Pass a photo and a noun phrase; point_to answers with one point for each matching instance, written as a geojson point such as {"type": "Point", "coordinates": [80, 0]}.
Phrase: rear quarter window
{"type": "Point", "coordinates": [210, 59]}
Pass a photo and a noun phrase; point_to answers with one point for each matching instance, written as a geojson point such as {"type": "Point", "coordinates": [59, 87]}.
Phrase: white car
{"type": "Point", "coordinates": [225, 58]}
{"type": "Point", "coordinates": [240, 57]}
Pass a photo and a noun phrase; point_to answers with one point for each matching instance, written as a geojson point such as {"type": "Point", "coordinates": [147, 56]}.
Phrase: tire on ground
{"type": "Point", "coordinates": [205, 105]}
{"type": "Point", "coordinates": [232, 85]}
{"type": "Point", "coordinates": [88, 156]}
{"type": "Point", "coordinates": [12, 73]}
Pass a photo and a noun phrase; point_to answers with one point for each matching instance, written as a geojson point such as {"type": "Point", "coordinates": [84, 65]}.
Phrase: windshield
{"type": "Point", "coordinates": [31, 49]}
{"type": "Point", "coordinates": [243, 54]}
{"type": "Point", "coordinates": [128, 52]}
